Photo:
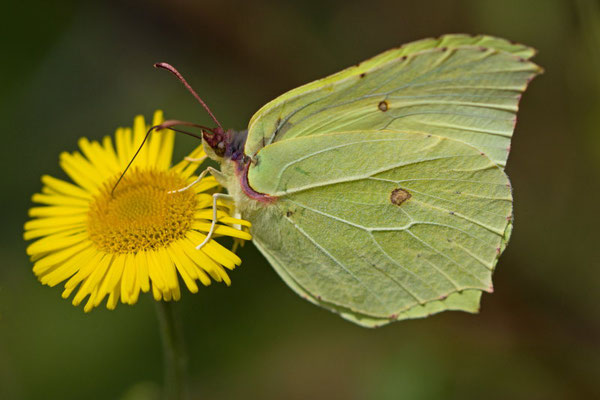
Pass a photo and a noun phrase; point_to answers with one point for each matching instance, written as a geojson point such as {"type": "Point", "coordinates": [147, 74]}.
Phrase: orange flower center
{"type": "Point", "coordinates": [141, 214]}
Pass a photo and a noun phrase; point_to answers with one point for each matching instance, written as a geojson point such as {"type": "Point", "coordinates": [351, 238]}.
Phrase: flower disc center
{"type": "Point", "coordinates": [141, 214]}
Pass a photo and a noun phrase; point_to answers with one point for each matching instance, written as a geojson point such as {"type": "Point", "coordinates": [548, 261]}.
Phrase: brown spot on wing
{"type": "Point", "coordinates": [399, 196]}
{"type": "Point", "coordinates": [383, 106]}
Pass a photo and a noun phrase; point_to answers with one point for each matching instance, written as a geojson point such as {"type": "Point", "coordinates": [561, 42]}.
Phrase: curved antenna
{"type": "Point", "coordinates": [169, 124]}
{"type": "Point", "coordinates": [172, 70]}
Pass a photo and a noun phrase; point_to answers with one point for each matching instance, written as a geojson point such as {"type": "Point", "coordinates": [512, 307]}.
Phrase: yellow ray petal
{"type": "Point", "coordinates": [128, 279]}
{"type": "Point", "coordinates": [234, 221]}
{"type": "Point", "coordinates": [154, 146]}
{"type": "Point", "coordinates": [191, 265]}
{"type": "Point", "coordinates": [113, 299]}
{"type": "Point", "coordinates": [155, 272]}
{"type": "Point", "coordinates": [139, 131]}
{"type": "Point", "coordinates": [121, 140]}
{"type": "Point", "coordinates": [84, 271]}
{"type": "Point", "coordinates": [176, 293]}
{"type": "Point", "coordinates": [79, 171]}
{"type": "Point", "coordinates": [156, 292]}
{"type": "Point", "coordinates": [55, 242]}
{"type": "Point", "coordinates": [217, 252]}
{"type": "Point", "coordinates": [183, 271]}
{"type": "Point", "coordinates": [222, 230]}
{"type": "Point", "coordinates": [203, 261]}
{"type": "Point", "coordinates": [58, 200]}
{"type": "Point", "coordinates": [110, 152]}
{"type": "Point", "coordinates": [166, 264]}
{"type": "Point", "coordinates": [93, 280]}
{"type": "Point", "coordinates": [142, 272]}
{"type": "Point", "coordinates": [91, 300]}
{"type": "Point", "coordinates": [50, 260]}
{"type": "Point", "coordinates": [114, 275]}
{"type": "Point", "coordinates": [65, 188]}
{"type": "Point", "coordinates": [56, 211]}
{"type": "Point", "coordinates": [65, 270]}
{"type": "Point", "coordinates": [206, 184]}
{"type": "Point", "coordinates": [166, 150]}
{"type": "Point", "coordinates": [60, 230]}
{"type": "Point", "coordinates": [67, 222]}
{"type": "Point", "coordinates": [95, 155]}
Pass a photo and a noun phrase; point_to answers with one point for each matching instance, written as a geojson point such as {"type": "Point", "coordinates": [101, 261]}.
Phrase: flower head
{"type": "Point", "coordinates": [140, 237]}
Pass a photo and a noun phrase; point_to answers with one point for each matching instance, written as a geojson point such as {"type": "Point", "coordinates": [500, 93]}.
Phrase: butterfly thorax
{"type": "Point", "coordinates": [227, 147]}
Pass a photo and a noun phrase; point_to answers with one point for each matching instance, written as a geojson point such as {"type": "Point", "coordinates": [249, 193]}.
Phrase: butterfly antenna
{"type": "Point", "coordinates": [172, 70]}
{"type": "Point", "coordinates": [165, 125]}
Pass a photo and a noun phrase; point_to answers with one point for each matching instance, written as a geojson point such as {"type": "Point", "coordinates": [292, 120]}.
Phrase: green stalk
{"type": "Point", "coordinates": [175, 358]}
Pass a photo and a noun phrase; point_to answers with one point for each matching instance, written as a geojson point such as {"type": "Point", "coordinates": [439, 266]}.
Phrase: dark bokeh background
{"type": "Point", "coordinates": [73, 69]}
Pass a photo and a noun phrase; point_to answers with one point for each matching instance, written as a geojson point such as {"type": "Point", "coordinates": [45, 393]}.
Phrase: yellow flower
{"type": "Point", "coordinates": [137, 238]}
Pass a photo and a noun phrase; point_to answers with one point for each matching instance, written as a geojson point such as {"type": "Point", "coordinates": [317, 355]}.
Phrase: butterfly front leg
{"type": "Point", "coordinates": [210, 170]}
{"type": "Point", "coordinates": [213, 224]}
{"type": "Point", "coordinates": [198, 160]}
{"type": "Point", "coordinates": [220, 177]}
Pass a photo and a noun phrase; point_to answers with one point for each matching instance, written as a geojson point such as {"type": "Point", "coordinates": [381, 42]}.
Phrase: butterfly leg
{"type": "Point", "coordinates": [199, 160]}
{"type": "Point", "coordinates": [213, 224]}
{"type": "Point", "coordinates": [210, 170]}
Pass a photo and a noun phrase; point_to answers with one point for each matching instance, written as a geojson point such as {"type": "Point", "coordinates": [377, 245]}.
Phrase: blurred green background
{"type": "Point", "coordinates": [74, 69]}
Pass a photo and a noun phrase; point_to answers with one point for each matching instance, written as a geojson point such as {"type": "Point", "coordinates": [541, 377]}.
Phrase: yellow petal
{"type": "Point", "coordinates": [79, 170]}
{"type": "Point", "coordinates": [55, 242]}
{"type": "Point", "coordinates": [55, 222]}
{"type": "Point", "coordinates": [58, 200]}
{"type": "Point", "coordinates": [222, 230]}
{"type": "Point", "coordinates": [93, 280]}
{"type": "Point", "coordinates": [217, 252]}
{"type": "Point", "coordinates": [113, 277]}
{"type": "Point", "coordinates": [155, 272]}
{"type": "Point", "coordinates": [36, 233]}
{"type": "Point", "coordinates": [59, 257]}
{"type": "Point", "coordinates": [65, 188]}
{"type": "Point", "coordinates": [56, 211]}
{"type": "Point", "coordinates": [166, 150]}
{"type": "Point", "coordinates": [142, 273]}
{"type": "Point", "coordinates": [166, 264]}
{"type": "Point", "coordinates": [113, 299]}
{"type": "Point", "coordinates": [183, 271]}
{"type": "Point", "coordinates": [139, 132]}
{"type": "Point", "coordinates": [128, 280]}
{"type": "Point", "coordinates": [65, 270]}
{"type": "Point", "coordinates": [203, 261]}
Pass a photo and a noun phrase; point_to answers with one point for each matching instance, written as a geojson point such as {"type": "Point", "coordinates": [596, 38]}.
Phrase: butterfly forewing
{"type": "Point", "coordinates": [460, 87]}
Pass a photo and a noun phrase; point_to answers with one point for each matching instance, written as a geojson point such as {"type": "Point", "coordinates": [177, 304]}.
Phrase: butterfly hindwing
{"type": "Point", "coordinates": [382, 225]}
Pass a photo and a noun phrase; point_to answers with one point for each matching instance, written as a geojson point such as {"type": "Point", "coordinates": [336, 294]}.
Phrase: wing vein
{"type": "Point", "coordinates": [335, 260]}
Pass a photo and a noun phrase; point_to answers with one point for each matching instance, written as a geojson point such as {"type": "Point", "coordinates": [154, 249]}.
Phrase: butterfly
{"type": "Point", "coordinates": [379, 192]}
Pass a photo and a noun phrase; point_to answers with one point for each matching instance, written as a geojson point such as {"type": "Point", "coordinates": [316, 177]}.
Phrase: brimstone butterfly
{"type": "Point", "coordinates": [379, 192]}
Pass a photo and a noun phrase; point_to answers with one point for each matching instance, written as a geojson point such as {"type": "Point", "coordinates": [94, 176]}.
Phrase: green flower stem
{"type": "Point", "coordinates": [175, 385]}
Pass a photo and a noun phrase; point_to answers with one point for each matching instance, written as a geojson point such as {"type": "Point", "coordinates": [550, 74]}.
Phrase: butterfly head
{"type": "Point", "coordinates": [219, 143]}
{"type": "Point", "coordinates": [215, 142]}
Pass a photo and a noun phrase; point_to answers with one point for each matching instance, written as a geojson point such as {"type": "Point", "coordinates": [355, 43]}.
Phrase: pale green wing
{"type": "Point", "coordinates": [467, 300]}
{"type": "Point", "coordinates": [381, 225]}
{"type": "Point", "coordinates": [460, 87]}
